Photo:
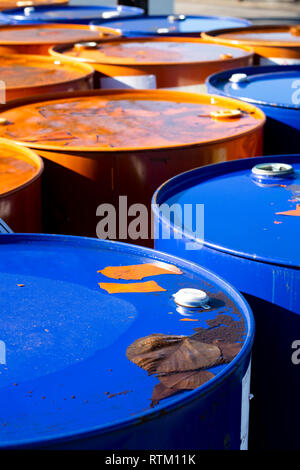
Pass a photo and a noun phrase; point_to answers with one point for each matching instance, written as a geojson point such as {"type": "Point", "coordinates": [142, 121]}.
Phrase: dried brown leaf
{"type": "Point", "coordinates": [186, 380]}
{"type": "Point", "coordinates": [228, 350]}
{"type": "Point", "coordinates": [189, 354]}
{"type": "Point", "coordinates": [160, 392]}
{"type": "Point", "coordinates": [164, 354]}
{"type": "Point", "coordinates": [148, 351]}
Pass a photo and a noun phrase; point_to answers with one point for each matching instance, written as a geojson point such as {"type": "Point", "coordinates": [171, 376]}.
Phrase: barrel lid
{"type": "Point", "coordinates": [53, 34]}
{"type": "Point", "coordinates": [30, 71]}
{"type": "Point", "coordinates": [252, 214]}
{"type": "Point", "coordinates": [119, 120]}
{"type": "Point", "coordinates": [18, 167]}
{"type": "Point", "coordinates": [270, 86]}
{"type": "Point", "coordinates": [264, 35]}
{"type": "Point", "coordinates": [154, 51]}
{"type": "Point", "coordinates": [173, 24]}
{"type": "Point", "coordinates": [70, 351]}
{"type": "Point", "coordinates": [70, 13]}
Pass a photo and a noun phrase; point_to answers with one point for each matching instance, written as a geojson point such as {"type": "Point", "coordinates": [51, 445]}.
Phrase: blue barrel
{"type": "Point", "coordinates": [173, 25]}
{"type": "Point", "coordinates": [77, 14]}
{"type": "Point", "coordinates": [105, 345]}
{"type": "Point", "coordinates": [276, 90]}
{"type": "Point", "coordinates": [251, 237]}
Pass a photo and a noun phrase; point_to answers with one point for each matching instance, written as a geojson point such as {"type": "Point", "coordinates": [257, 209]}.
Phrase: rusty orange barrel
{"type": "Point", "coordinates": [20, 187]}
{"type": "Point", "coordinates": [272, 44]}
{"type": "Point", "coordinates": [6, 4]}
{"type": "Point", "coordinates": [155, 62]}
{"type": "Point", "coordinates": [28, 75]}
{"type": "Point", "coordinates": [100, 145]}
{"type": "Point", "coordinates": [38, 38]}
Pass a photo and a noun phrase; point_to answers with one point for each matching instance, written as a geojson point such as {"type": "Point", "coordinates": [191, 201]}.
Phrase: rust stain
{"type": "Point", "coordinates": [139, 271]}
{"type": "Point", "coordinates": [293, 212]}
{"type": "Point", "coordinates": [113, 288]}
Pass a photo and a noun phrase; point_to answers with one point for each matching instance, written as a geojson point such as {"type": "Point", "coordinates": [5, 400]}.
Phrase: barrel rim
{"type": "Point", "coordinates": [113, 33]}
{"type": "Point", "coordinates": [20, 150]}
{"type": "Point", "coordinates": [139, 94]}
{"type": "Point", "coordinates": [245, 52]}
{"type": "Point", "coordinates": [173, 402]}
{"type": "Point", "coordinates": [261, 70]}
{"type": "Point", "coordinates": [175, 184]}
{"type": "Point", "coordinates": [216, 36]}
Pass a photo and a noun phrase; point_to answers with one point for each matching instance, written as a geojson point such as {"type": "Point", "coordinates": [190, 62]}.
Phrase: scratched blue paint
{"type": "Point", "coordinates": [66, 382]}
{"type": "Point", "coordinates": [247, 242]}
{"type": "Point", "coordinates": [274, 89]}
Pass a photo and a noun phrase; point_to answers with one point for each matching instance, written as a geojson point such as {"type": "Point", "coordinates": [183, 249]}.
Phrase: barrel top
{"type": "Point", "coordinates": [122, 120]}
{"type": "Point", "coordinates": [148, 51]}
{"type": "Point", "coordinates": [53, 34]}
{"type": "Point", "coordinates": [174, 24]}
{"type": "Point", "coordinates": [79, 316]}
{"type": "Point", "coordinates": [265, 35]}
{"type": "Point", "coordinates": [274, 86]}
{"type": "Point", "coordinates": [30, 71]}
{"type": "Point", "coordinates": [69, 13]}
{"type": "Point", "coordinates": [252, 206]}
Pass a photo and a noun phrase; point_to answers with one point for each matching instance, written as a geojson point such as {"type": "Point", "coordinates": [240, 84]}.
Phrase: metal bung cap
{"type": "Point", "coordinates": [86, 45]}
{"type": "Point", "coordinates": [238, 78]}
{"type": "Point", "coordinates": [192, 298]}
{"type": "Point", "coordinates": [226, 114]}
{"type": "Point", "coordinates": [28, 10]}
{"type": "Point", "coordinates": [173, 18]}
{"type": "Point", "coordinates": [272, 169]}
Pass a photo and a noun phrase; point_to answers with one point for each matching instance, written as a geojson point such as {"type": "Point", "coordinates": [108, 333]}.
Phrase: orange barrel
{"type": "Point", "coordinates": [6, 4]}
{"type": "Point", "coordinates": [20, 188]}
{"type": "Point", "coordinates": [38, 38]}
{"type": "Point", "coordinates": [27, 75]}
{"type": "Point", "coordinates": [278, 44]}
{"type": "Point", "coordinates": [100, 145]}
{"type": "Point", "coordinates": [155, 62]}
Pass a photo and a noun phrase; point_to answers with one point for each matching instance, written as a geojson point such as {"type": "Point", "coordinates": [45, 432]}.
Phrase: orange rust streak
{"type": "Point", "coordinates": [113, 288]}
{"type": "Point", "coordinates": [138, 271]}
{"type": "Point", "coordinates": [294, 212]}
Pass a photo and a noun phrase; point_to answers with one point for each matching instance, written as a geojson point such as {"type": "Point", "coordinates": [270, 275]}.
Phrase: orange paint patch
{"type": "Point", "coordinates": [138, 271]}
{"type": "Point", "coordinates": [188, 319]}
{"type": "Point", "coordinates": [113, 288]}
{"type": "Point", "coordinates": [294, 212]}
{"type": "Point", "coordinates": [277, 223]}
